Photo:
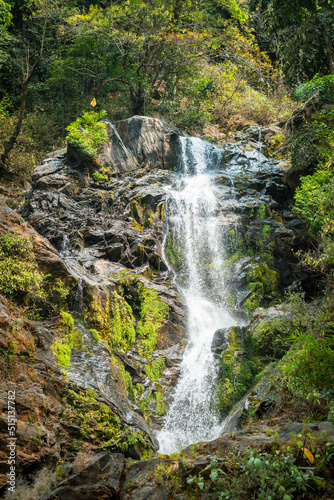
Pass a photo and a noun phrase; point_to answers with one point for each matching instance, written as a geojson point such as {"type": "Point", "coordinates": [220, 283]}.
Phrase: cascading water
{"type": "Point", "coordinates": [196, 233]}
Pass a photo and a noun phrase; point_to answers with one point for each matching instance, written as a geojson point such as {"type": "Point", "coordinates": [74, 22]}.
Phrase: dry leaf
{"type": "Point", "coordinates": [308, 454]}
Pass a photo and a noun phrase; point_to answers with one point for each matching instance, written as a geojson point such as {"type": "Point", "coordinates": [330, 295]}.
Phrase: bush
{"type": "Point", "coordinates": [19, 275]}
{"type": "Point", "coordinates": [322, 86]}
{"type": "Point", "coordinates": [87, 133]}
{"type": "Point", "coordinates": [258, 475]}
{"type": "Point", "coordinates": [314, 197]}
{"type": "Point", "coordinates": [310, 368]}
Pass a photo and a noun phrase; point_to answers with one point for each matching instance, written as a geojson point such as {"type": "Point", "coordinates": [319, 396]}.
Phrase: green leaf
{"type": "Point", "coordinates": [213, 475]}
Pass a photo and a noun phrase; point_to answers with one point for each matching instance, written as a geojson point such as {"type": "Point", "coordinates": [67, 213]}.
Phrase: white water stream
{"type": "Point", "coordinates": [197, 232]}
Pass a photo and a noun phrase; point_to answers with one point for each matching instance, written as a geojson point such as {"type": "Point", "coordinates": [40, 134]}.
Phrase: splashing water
{"type": "Point", "coordinates": [196, 232]}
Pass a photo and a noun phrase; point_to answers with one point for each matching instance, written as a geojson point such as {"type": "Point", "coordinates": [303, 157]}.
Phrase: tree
{"type": "Point", "coordinates": [29, 45]}
{"type": "Point", "coordinates": [147, 47]}
{"type": "Point", "coordinates": [5, 14]}
{"type": "Point", "coordinates": [306, 27]}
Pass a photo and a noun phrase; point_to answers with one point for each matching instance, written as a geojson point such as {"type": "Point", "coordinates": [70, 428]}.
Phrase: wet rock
{"type": "Point", "coordinates": [97, 372]}
{"type": "Point", "coordinates": [142, 482]}
{"type": "Point", "coordinates": [115, 252]}
{"type": "Point", "coordinates": [98, 480]}
{"type": "Point", "coordinates": [261, 314]}
{"type": "Point", "coordinates": [4, 313]}
{"type": "Point", "coordinates": [219, 341]}
{"type": "Point", "coordinates": [153, 142]}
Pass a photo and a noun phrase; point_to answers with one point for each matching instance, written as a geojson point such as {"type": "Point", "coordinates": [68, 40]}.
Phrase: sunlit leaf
{"type": "Point", "coordinates": [308, 454]}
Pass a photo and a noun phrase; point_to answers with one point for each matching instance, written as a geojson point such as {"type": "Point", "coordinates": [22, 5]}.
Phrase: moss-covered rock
{"type": "Point", "coordinates": [100, 425]}
{"type": "Point", "coordinates": [264, 284]}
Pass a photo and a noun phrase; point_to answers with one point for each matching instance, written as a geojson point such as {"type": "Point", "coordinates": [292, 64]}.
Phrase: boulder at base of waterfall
{"type": "Point", "coordinates": [99, 480]}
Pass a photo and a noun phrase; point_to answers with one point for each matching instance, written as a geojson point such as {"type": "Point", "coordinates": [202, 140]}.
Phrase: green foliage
{"type": "Point", "coordinates": [257, 475]}
{"type": "Point", "coordinates": [297, 31]}
{"type": "Point", "coordinates": [155, 370]}
{"type": "Point", "coordinates": [5, 14]}
{"type": "Point", "coordinates": [314, 197]}
{"type": "Point", "coordinates": [87, 133]}
{"type": "Point", "coordinates": [19, 274]}
{"type": "Point", "coordinates": [122, 334]}
{"type": "Point", "coordinates": [101, 175]}
{"type": "Point", "coordinates": [270, 338]}
{"type": "Point", "coordinates": [320, 86]}
{"type": "Point", "coordinates": [161, 407]}
{"type": "Point", "coordinates": [309, 369]}
{"type": "Point", "coordinates": [108, 430]}
{"type": "Point", "coordinates": [153, 313]}
{"type": "Point", "coordinates": [264, 283]}
{"type": "Point", "coordinates": [69, 337]}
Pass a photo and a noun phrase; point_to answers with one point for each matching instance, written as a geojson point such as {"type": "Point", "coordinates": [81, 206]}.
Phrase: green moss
{"type": "Point", "coordinates": [122, 334]}
{"type": "Point", "coordinates": [161, 406]}
{"type": "Point", "coordinates": [68, 337]}
{"type": "Point", "coordinates": [100, 425]}
{"type": "Point", "coordinates": [137, 211]}
{"type": "Point", "coordinates": [115, 324]}
{"type": "Point", "coordinates": [62, 353]}
{"type": "Point", "coordinates": [264, 283]}
{"type": "Point", "coordinates": [174, 252]}
{"type": "Point", "coordinates": [153, 313]}
{"type": "Point", "coordinates": [261, 211]}
{"type": "Point", "coordinates": [94, 314]}
{"type": "Point", "coordinates": [237, 373]}
{"type": "Point", "coordinates": [155, 370]}
{"type": "Point", "coordinates": [270, 337]}
{"type": "Point", "coordinates": [127, 380]}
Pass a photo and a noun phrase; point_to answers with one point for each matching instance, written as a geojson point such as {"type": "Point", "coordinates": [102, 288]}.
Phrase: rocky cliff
{"type": "Point", "coordinates": [99, 376]}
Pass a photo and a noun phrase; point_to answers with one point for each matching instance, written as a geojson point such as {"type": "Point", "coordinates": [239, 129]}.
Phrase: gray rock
{"type": "Point", "coordinates": [139, 482]}
{"type": "Point", "coordinates": [98, 480]}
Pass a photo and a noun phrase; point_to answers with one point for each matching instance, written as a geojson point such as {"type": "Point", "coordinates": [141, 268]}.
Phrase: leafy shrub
{"type": "Point", "coordinates": [19, 274]}
{"type": "Point", "coordinates": [258, 475]}
{"type": "Point", "coordinates": [323, 86]}
{"type": "Point", "coordinates": [309, 369]}
{"type": "Point", "coordinates": [101, 175]}
{"type": "Point", "coordinates": [87, 133]}
{"type": "Point", "coordinates": [314, 197]}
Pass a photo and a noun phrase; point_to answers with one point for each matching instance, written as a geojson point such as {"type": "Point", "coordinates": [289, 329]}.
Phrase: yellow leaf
{"type": "Point", "coordinates": [308, 454]}
{"type": "Point", "coordinates": [93, 103]}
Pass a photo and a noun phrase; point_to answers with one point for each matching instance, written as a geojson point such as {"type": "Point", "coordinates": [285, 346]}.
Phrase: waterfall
{"type": "Point", "coordinates": [196, 236]}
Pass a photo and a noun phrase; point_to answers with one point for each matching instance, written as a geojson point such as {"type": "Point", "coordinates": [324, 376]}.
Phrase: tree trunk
{"type": "Point", "coordinates": [137, 100]}
{"type": "Point", "coordinates": [328, 41]}
{"type": "Point", "coordinates": [9, 144]}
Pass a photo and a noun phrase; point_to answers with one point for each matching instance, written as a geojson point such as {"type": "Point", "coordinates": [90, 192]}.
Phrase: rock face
{"type": "Point", "coordinates": [99, 226]}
